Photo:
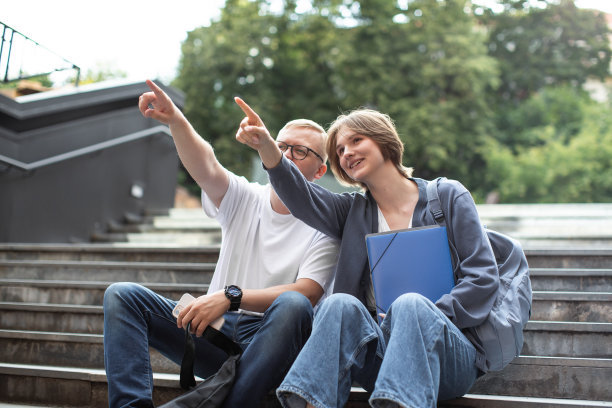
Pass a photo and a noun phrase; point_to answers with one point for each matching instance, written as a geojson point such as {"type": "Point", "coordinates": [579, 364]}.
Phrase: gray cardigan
{"type": "Point", "coordinates": [350, 216]}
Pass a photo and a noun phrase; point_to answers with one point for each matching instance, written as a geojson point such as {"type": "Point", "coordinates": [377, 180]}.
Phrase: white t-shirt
{"type": "Point", "coordinates": [262, 248]}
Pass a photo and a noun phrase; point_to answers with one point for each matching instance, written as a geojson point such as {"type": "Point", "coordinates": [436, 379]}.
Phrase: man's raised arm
{"type": "Point", "coordinates": [195, 153]}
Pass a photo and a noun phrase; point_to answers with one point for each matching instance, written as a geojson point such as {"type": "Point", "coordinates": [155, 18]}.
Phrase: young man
{"type": "Point", "coordinates": [272, 270]}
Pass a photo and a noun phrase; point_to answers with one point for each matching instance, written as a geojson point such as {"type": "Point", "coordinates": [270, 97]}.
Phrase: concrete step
{"type": "Point", "coordinates": [550, 305]}
{"type": "Point", "coordinates": [86, 350]}
{"type": "Point", "coordinates": [504, 401]}
{"type": "Point", "coordinates": [572, 306]}
{"type": "Point", "coordinates": [64, 349]}
{"type": "Point", "coordinates": [80, 293]}
{"type": "Point", "coordinates": [168, 224]}
{"type": "Point", "coordinates": [109, 271]}
{"type": "Point", "coordinates": [567, 339]}
{"type": "Point", "coordinates": [571, 279]}
{"type": "Point", "coordinates": [550, 377]}
{"type": "Point", "coordinates": [186, 238]}
{"type": "Point", "coordinates": [569, 258]}
{"type": "Point", "coordinates": [51, 317]}
{"type": "Point", "coordinates": [537, 258]}
{"type": "Point", "coordinates": [67, 386]}
{"type": "Point", "coordinates": [545, 338]}
{"type": "Point", "coordinates": [110, 252]}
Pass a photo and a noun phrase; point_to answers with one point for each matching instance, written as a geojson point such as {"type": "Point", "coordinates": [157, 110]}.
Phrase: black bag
{"type": "Point", "coordinates": [211, 392]}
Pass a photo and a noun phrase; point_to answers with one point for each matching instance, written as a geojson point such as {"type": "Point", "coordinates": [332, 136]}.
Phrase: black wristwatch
{"type": "Point", "coordinates": [234, 294]}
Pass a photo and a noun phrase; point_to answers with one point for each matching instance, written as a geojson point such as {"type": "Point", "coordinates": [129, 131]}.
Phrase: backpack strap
{"type": "Point", "coordinates": [433, 201]}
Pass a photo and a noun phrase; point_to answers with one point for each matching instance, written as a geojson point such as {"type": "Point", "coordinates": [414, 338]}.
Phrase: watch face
{"type": "Point", "coordinates": [233, 291]}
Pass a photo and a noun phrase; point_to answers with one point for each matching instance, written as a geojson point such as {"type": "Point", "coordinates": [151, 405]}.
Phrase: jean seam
{"type": "Point", "coordinates": [387, 396]}
{"type": "Point", "coordinates": [146, 313]}
{"type": "Point", "coordinates": [358, 349]}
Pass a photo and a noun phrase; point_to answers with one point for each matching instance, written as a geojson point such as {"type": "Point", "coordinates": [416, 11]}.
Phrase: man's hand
{"type": "Point", "coordinates": [203, 311]}
{"type": "Point", "coordinates": [158, 105]}
{"type": "Point", "coordinates": [253, 133]}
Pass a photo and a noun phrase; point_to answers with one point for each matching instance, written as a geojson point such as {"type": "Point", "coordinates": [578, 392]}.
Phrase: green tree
{"type": "Point", "coordinates": [560, 108]}
{"type": "Point", "coordinates": [279, 63]}
{"type": "Point", "coordinates": [579, 170]}
{"type": "Point", "coordinates": [537, 47]}
{"type": "Point", "coordinates": [101, 72]}
{"type": "Point", "coordinates": [424, 64]}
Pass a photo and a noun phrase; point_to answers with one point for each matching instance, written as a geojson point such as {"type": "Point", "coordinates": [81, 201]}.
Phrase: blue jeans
{"type": "Point", "coordinates": [136, 318]}
{"type": "Point", "coordinates": [414, 358]}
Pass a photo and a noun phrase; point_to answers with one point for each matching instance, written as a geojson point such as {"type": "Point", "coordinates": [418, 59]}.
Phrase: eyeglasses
{"type": "Point", "coordinates": [298, 152]}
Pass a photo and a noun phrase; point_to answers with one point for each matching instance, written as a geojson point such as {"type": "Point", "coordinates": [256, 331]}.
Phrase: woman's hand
{"type": "Point", "coordinates": [253, 133]}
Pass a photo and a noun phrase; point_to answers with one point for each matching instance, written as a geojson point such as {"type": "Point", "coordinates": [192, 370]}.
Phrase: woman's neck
{"type": "Point", "coordinates": [396, 196]}
{"type": "Point", "coordinates": [388, 185]}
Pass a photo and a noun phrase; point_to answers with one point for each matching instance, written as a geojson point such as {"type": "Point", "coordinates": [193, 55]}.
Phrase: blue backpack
{"type": "Point", "coordinates": [501, 334]}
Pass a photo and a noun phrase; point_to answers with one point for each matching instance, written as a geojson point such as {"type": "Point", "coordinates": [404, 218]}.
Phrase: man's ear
{"type": "Point", "coordinates": [321, 171]}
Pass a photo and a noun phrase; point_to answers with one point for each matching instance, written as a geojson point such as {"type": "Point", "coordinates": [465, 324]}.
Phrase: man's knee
{"type": "Point", "coordinates": [117, 293]}
{"type": "Point", "coordinates": [293, 305]}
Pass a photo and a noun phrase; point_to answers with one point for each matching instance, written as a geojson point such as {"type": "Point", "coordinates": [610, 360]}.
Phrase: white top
{"type": "Point", "coordinates": [262, 248]}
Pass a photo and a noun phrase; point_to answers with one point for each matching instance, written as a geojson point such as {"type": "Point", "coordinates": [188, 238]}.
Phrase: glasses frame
{"type": "Point", "coordinates": [308, 149]}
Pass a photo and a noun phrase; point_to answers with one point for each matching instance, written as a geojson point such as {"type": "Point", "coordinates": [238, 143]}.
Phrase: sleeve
{"type": "Point", "coordinates": [316, 206]}
{"type": "Point", "coordinates": [472, 298]}
{"type": "Point", "coordinates": [320, 260]}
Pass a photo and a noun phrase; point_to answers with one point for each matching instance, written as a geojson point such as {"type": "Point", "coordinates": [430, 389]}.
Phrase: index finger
{"type": "Point", "coordinates": [251, 114]}
{"type": "Point", "coordinates": [156, 89]}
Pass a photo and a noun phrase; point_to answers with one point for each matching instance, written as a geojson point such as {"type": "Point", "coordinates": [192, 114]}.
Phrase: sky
{"type": "Point", "coordinates": [141, 39]}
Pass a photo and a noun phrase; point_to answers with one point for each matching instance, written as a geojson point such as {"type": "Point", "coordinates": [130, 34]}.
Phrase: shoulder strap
{"type": "Point", "coordinates": [214, 336]}
{"type": "Point", "coordinates": [433, 201]}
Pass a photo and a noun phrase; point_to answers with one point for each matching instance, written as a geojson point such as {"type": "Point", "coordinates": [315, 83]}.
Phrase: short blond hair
{"type": "Point", "coordinates": [309, 124]}
{"type": "Point", "coordinates": [377, 126]}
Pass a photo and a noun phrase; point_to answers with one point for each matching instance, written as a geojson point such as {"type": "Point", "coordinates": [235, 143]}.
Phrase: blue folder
{"type": "Point", "coordinates": [411, 260]}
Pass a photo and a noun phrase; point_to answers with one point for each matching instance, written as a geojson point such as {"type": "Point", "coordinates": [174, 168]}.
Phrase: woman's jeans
{"type": "Point", "coordinates": [136, 318]}
{"type": "Point", "coordinates": [414, 358]}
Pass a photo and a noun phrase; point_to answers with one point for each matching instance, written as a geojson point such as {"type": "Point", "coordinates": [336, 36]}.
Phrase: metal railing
{"type": "Point", "coordinates": [85, 150]}
{"type": "Point", "coordinates": [9, 40]}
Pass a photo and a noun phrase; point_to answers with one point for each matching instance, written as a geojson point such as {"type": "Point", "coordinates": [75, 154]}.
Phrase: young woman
{"type": "Point", "coordinates": [422, 352]}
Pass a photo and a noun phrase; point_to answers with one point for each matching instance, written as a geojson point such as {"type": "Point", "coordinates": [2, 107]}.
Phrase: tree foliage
{"type": "Point", "coordinates": [481, 96]}
{"type": "Point", "coordinates": [559, 171]}
{"type": "Point", "coordinates": [556, 45]}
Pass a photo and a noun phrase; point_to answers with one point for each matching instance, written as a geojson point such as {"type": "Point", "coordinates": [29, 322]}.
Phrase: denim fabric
{"type": "Point", "coordinates": [136, 318]}
{"type": "Point", "coordinates": [415, 358]}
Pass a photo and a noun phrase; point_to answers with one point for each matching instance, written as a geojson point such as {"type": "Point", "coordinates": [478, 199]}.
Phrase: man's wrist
{"type": "Point", "coordinates": [234, 294]}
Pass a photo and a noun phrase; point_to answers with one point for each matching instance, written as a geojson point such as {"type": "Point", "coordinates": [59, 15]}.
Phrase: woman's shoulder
{"type": "Point", "coordinates": [451, 187]}
{"type": "Point", "coordinates": [447, 188]}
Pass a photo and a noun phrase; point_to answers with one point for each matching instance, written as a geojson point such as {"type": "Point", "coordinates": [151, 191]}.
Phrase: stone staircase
{"type": "Point", "coordinates": [51, 319]}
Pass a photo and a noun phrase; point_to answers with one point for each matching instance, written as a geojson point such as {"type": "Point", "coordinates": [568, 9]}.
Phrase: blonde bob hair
{"type": "Point", "coordinates": [370, 123]}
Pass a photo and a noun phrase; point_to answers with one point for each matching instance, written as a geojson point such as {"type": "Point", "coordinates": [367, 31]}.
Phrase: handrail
{"type": "Point", "coordinates": [85, 150]}
{"type": "Point", "coordinates": [6, 30]}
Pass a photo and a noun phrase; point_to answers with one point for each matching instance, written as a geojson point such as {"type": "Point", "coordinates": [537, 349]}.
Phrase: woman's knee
{"type": "Point", "coordinates": [413, 303]}
{"type": "Point", "coordinates": [341, 305]}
